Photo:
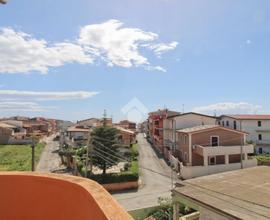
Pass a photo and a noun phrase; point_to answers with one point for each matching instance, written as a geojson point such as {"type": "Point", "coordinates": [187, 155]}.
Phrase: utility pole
{"type": "Point", "coordinates": [89, 152]}
{"type": "Point", "coordinates": [241, 157]}
{"type": "Point", "coordinates": [33, 155]}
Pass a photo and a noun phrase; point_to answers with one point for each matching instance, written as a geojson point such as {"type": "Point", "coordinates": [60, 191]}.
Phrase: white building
{"type": "Point", "coordinates": [257, 127]}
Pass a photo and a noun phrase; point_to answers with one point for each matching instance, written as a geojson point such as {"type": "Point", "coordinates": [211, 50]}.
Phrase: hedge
{"type": "Point", "coordinates": [128, 176]}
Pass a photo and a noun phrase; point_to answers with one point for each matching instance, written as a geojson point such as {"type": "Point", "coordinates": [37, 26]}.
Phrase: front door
{"type": "Point", "coordinates": [214, 141]}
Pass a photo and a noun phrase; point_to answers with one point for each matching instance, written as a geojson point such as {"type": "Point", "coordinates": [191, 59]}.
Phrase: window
{"type": "Point", "coordinates": [219, 123]}
{"type": "Point", "coordinates": [214, 141]}
{"type": "Point", "coordinates": [223, 124]}
{"type": "Point", "coordinates": [212, 160]}
{"type": "Point", "coordinates": [227, 123]}
{"type": "Point", "coordinates": [234, 125]}
{"type": "Point", "coordinates": [259, 123]}
{"type": "Point", "coordinates": [260, 137]}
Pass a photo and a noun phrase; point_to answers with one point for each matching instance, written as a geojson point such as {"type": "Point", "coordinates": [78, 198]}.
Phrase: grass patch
{"type": "Point", "coordinates": [18, 157]}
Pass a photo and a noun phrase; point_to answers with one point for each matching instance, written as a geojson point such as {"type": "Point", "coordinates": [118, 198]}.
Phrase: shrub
{"type": "Point", "coordinates": [128, 176]}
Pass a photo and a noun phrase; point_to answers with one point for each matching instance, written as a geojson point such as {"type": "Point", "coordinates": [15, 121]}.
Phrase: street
{"type": "Point", "coordinates": [154, 177]}
{"type": "Point", "coordinates": [49, 160]}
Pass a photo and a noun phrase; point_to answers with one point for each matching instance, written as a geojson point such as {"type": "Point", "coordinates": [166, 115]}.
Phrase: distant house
{"type": "Point", "coordinates": [78, 133]}
{"type": "Point", "coordinates": [257, 126]}
{"type": "Point", "coordinates": [208, 149]}
{"type": "Point", "coordinates": [94, 122]}
{"type": "Point", "coordinates": [125, 136]}
{"type": "Point", "coordinates": [127, 125]}
{"type": "Point", "coordinates": [156, 127]}
{"type": "Point", "coordinates": [6, 132]}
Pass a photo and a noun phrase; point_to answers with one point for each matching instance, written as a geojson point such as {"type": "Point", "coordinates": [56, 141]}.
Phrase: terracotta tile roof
{"type": "Point", "coordinates": [74, 129]}
{"type": "Point", "coordinates": [250, 117]}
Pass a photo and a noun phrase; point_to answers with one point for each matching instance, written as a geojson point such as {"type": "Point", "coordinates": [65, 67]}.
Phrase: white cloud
{"type": "Point", "coordinates": [20, 53]}
{"type": "Point", "coordinates": [22, 107]}
{"type": "Point", "coordinates": [109, 41]}
{"type": "Point", "coordinates": [115, 44]}
{"type": "Point", "coordinates": [229, 108]}
{"type": "Point", "coordinates": [161, 48]}
{"type": "Point", "coordinates": [155, 68]}
{"type": "Point", "coordinates": [32, 95]}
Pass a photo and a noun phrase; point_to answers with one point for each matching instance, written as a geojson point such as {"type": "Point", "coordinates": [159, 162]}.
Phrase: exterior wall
{"type": "Point", "coordinates": [183, 147]}
{"type": "Point", "coordinates": [5, 135]}
{"type": "Point", "coordinates": [78, 134]}
{"type": "Point", "coordinates": [226, 138]}
{"type": "Point", "coordinates": [126, 138]}
{"type": "Point", "coordinates": [251, 127]}
{"type": "Point", "coordinates": [184, 121]}
{"type": "Point", "coordinates": [207, 214]}
{"type": "Point", "coordinates": [188, 172]}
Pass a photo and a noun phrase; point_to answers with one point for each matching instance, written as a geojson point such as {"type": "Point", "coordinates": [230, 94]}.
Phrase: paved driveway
{"type": "Point", "coordinates": [49, 160]}
{"type": "Point", "coordinates": [155, 178]}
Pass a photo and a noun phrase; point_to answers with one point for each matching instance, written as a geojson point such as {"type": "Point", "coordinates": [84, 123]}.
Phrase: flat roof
{"type": "Point", "coordinates": [248, 117]}
{"type": "Point", "coordinates": [192, 113]}
{"type": "Point", "coordinates": [242, 194]}
{"type": "Point", "coordinates": [203, 128]}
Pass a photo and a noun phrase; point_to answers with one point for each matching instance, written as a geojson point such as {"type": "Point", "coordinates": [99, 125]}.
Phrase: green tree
{"type": "Point", "coordinates": [104, 142]}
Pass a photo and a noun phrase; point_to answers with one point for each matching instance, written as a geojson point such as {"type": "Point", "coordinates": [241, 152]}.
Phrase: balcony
{"type": "Point", "coordinates": [263, 142]}
{"type": "Point", "coordinates": [30, 196]}
{"type": "Point", "coordinates": [222, 150]}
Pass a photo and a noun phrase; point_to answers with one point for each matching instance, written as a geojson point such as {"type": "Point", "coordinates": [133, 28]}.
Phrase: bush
{"type": "Point", "coordinates": [134, 152]}
{"type": "Point", "coordinates": [128, 176]}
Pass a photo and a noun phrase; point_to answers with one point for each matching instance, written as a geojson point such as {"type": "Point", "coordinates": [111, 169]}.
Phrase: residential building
{"type": "Point", "coordinates": [32, 196]}
{"type": "Point", "coordinates": [242, 194]}
{"type": "Point", "coordinates": [181, 121]}
{"type": "Point", "coordinates": [257, 127]}
{"type": "Point", "coordinates": [95, 122]}
{"type": "Point", "coordinates": [155, 127]}
{"type": "Point", "coordinates": [6, 132]}
{"type": "Point", "coordinates": [208, 149]}
{"type": "Point", "coordinates": [126, 136]}
{"type": "Point", "coordinates": [90, 122]}
{"type": "Point", "coordinates": [127, 125]}
{"type": "Point", "coordinates": [78, 134]}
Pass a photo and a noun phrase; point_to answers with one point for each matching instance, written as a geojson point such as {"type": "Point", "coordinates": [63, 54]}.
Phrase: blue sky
{"type": "Point", "coordinates": [72, 59]}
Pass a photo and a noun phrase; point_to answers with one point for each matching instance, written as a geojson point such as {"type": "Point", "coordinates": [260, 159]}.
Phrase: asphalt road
{"type": "Point", "coordinates": [49, 160]}
{"type": "Point", "coordinates": [155, 178]}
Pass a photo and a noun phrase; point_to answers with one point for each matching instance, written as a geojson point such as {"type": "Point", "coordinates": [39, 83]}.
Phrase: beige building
{"type": "Point", "coordinates": [208, 149]}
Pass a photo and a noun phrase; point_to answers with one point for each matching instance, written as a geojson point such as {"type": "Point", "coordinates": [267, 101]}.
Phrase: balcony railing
{"type": "Point", "coordinates": [222, 150]}
{"type": "Point", "coordinates": [263, 142]}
